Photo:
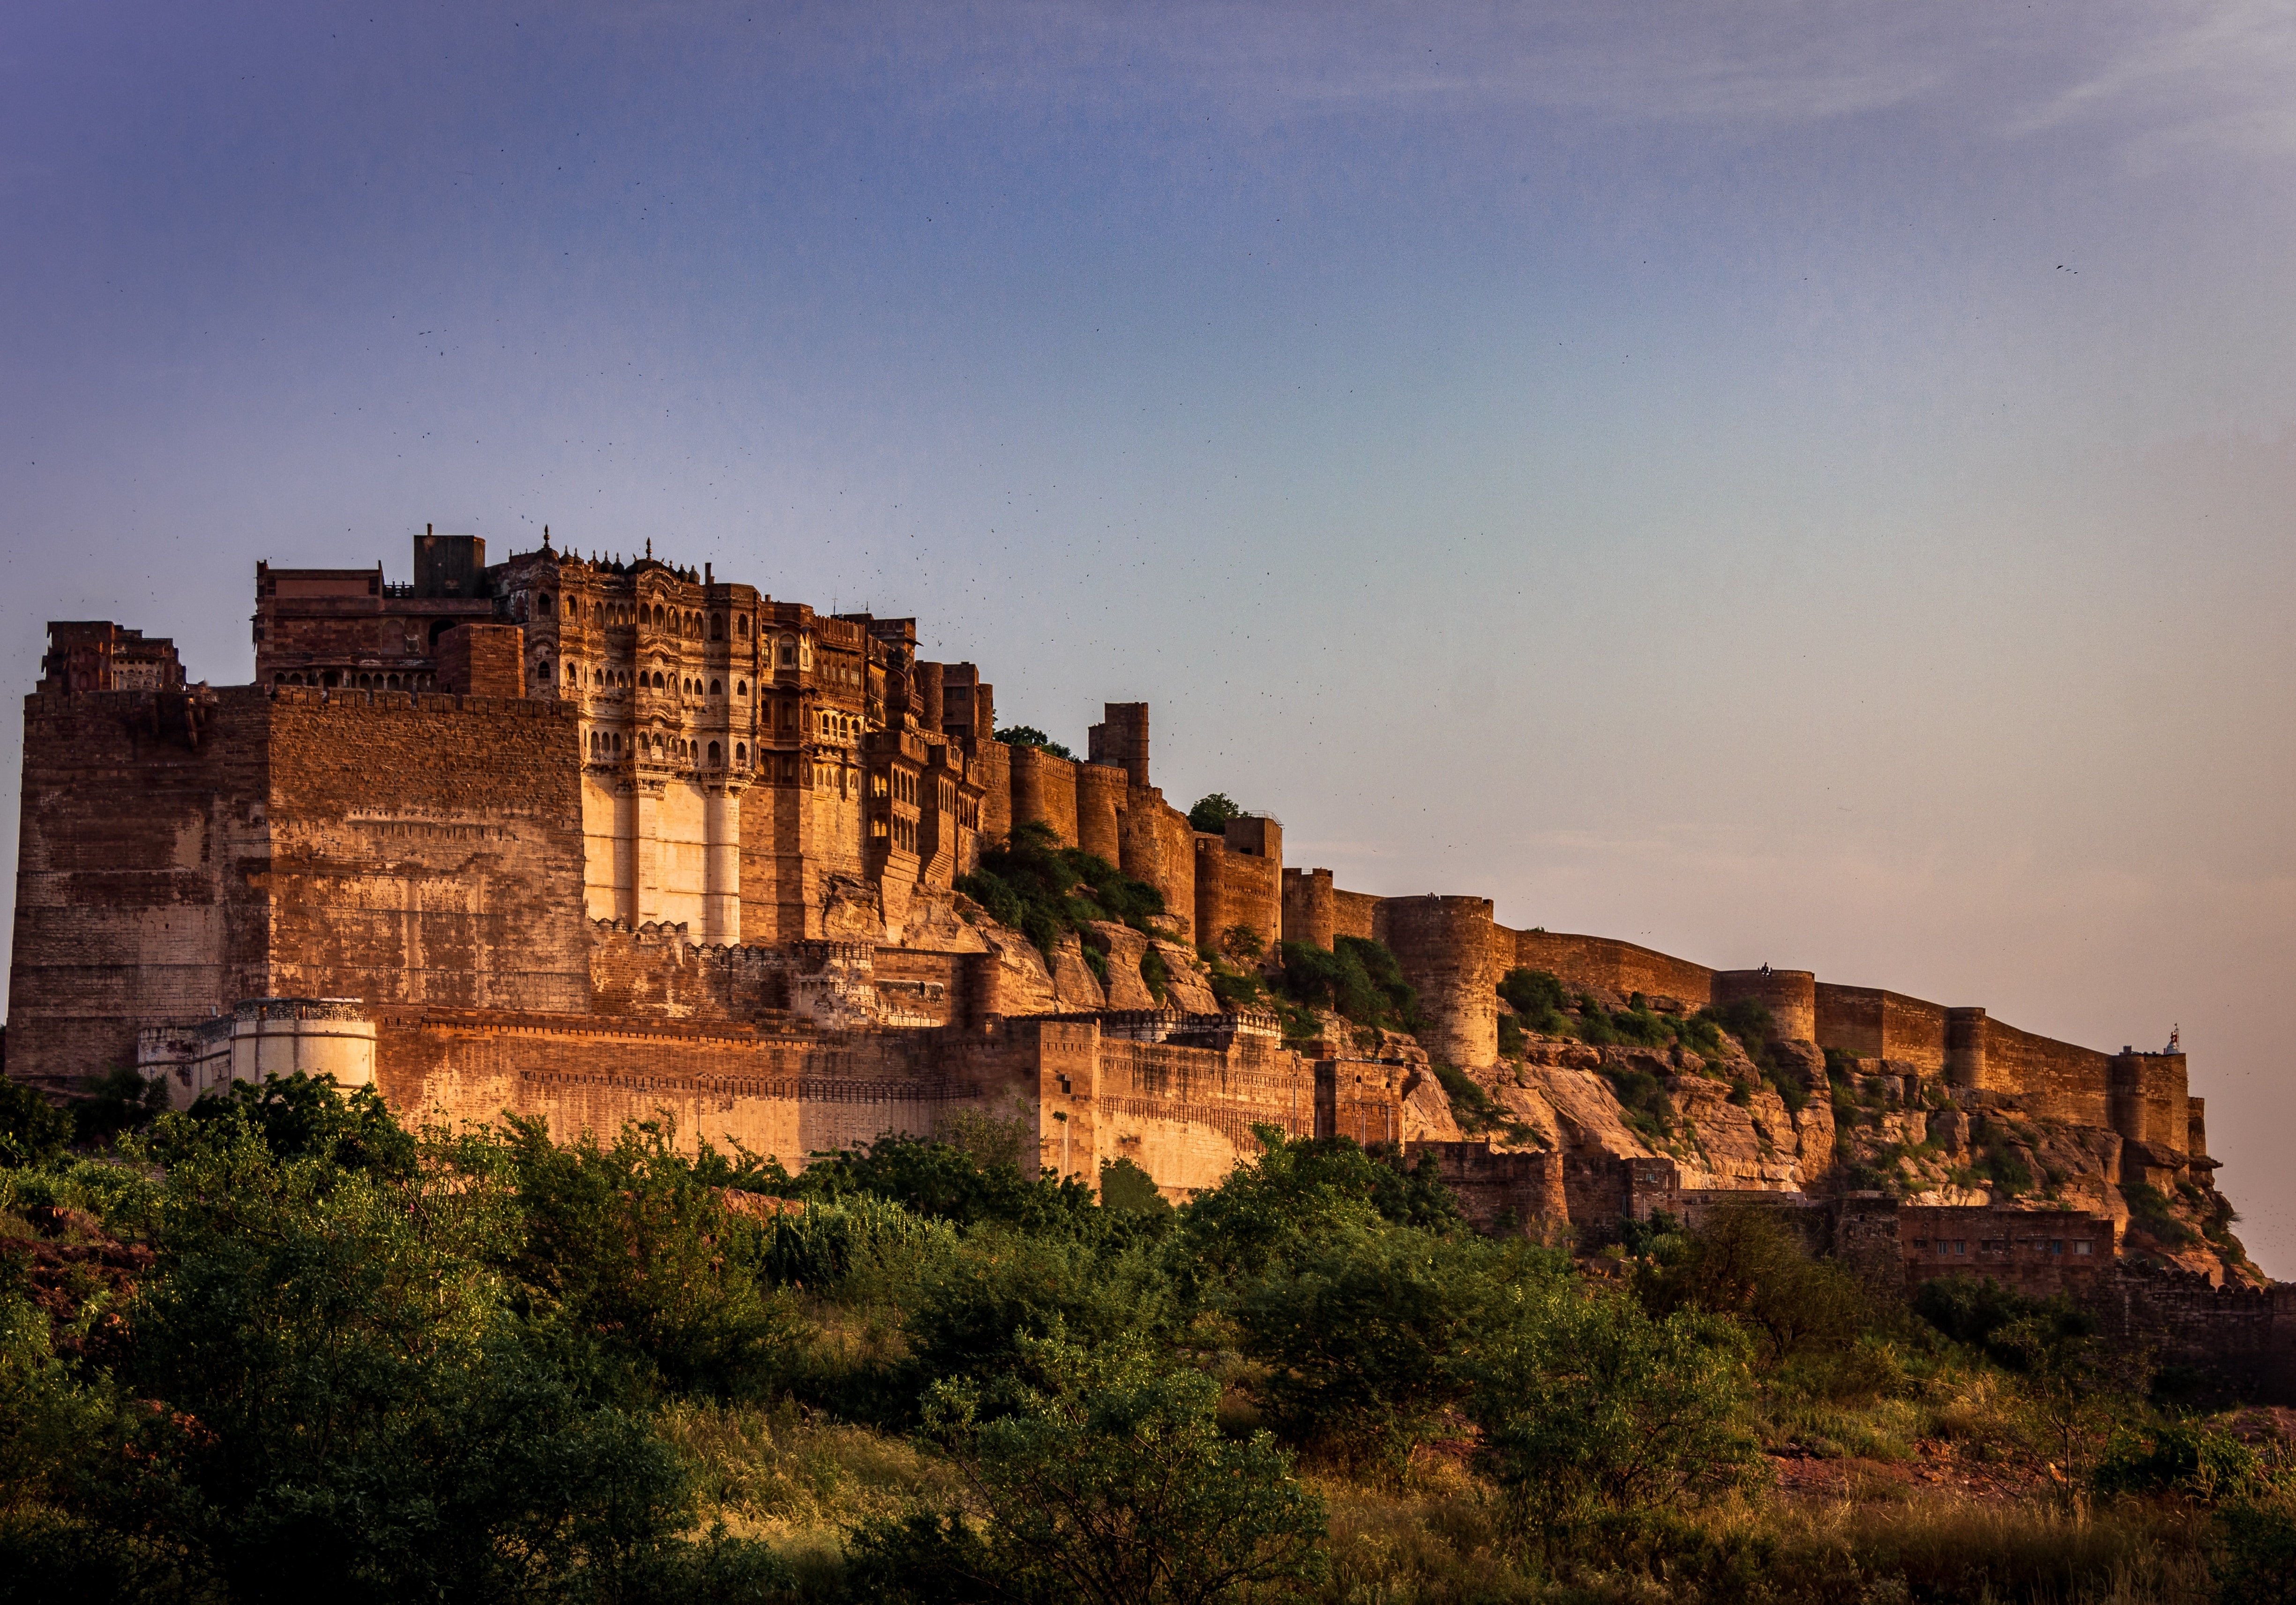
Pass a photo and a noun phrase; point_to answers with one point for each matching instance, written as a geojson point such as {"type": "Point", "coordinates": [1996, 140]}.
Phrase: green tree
{"type": "Point", "coordinates": [121, 1099]}
{"type": "Point", "coordinates": [977, 1311]}
{"type": "Point", "coordinates": [1029, 735]}
{"type": "Point", "coordinates": [1297, 1192]}
{"type": "Point", "coordinates": [349, 1409]}
{"type": "Point", "coordinates": [625, 1255]}
{"type": "Point", "coordinates": [1368, 1334]}
{"type": "Point", "coordinates": [1124, 1185]}
{"type": "Point", "coordinates": [1044, 890]}
{"type": "Point", "coordinates": [1747, 1262]}
{"type": "Point", "coordinates": [1211, 813]}
{"type": "Point", "coordinates": [1358, 978]}
{"type": "Point", "coordinates": [1593, 1415]}
{"type": "Point", "coordinates": [1106, 1480]}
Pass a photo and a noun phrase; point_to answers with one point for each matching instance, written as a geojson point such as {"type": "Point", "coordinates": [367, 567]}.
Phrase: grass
{"type": "Point", "coordinates": [798, 1481]}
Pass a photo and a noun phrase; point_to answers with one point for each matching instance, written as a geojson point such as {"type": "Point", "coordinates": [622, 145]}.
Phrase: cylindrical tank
{"type": "Point", "coordinates": [1443, 946]}
{"type": "Point", "coordinates": [272, 1037]}
{"type": "Point", "coordinates": [1790, 996]}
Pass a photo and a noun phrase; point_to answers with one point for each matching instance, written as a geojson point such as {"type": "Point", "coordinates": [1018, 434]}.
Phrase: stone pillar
{"type": "Point", "coordinates": [721, 886]}
{"type": "Point", "coordinates": [626, 851]}
{"type": "Point", "coordinates": [647, 851]}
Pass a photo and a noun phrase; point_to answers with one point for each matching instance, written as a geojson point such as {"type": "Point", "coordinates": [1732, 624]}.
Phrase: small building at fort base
{"type": "Point", "coordinates": [592, 839]}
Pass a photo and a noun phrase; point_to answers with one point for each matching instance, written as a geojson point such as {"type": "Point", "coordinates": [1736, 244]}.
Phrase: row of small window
{"type": "Point", "coordinates": [901, 833]}
{"type": "Point", "coordinates": [674, 621]}
{"type": "Point", "coordinates": [348, 681]}
{"type": "Point", "coordinates": [664, 750]}
{"type": "Point", "coordinates": [619, 679]}
{"type": "Point", "coordinates": [1999, 1245]}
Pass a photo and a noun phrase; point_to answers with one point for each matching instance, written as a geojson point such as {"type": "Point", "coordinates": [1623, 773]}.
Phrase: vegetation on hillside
{"type": "Point", "coordinates": [285, 1348]}
{"type": "Point", "coordinates": [1538, 1003]}
{"type": "Point", "coordinates": [1044, 890]}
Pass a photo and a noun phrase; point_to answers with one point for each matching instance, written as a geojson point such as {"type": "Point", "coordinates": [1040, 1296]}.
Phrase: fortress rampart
{"type": "Point", "coordinates": [576, 834]}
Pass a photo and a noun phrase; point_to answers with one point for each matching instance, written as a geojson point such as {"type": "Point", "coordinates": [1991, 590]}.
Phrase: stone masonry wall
{"type": "Point", "coordinates": [426, 848]}
{"type": "Point", "coordinates": [1598, 964]}
{"type": "Point", "coordinates": [143, 839]}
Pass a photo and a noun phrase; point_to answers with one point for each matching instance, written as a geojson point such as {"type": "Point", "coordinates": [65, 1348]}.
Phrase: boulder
{"type": "Point", "coordinates": [1124, 949]}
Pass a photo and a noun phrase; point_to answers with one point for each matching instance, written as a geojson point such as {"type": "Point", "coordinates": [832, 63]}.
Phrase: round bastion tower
{"type": "Point", "coordinates": [1790, 996]}
{"type": "Point", "coordinates": [1444, 946]}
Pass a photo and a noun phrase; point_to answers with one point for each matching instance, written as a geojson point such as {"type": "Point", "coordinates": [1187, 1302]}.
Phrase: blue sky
{"type": "Point", "coordinates": [1798, 483]}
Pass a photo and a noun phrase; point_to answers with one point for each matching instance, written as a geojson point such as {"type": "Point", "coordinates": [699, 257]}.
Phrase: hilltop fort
{"type": "Point", "coordinates": [593, 840]}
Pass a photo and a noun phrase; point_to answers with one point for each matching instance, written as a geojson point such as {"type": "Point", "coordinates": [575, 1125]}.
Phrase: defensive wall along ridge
{"type": "Point", "coordinates": [590, 838]}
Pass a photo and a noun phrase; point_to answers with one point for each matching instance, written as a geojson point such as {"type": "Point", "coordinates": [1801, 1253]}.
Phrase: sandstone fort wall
{"type": "Point", "coordinates": [142, 818]}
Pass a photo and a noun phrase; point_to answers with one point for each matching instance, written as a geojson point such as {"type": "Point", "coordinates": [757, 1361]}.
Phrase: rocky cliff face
{"type": "Point", "coordinates": [1811, 1126]}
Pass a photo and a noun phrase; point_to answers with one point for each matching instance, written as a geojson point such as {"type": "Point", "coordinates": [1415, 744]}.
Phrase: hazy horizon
{"type": "Point", "coordinates": [1792, 483]}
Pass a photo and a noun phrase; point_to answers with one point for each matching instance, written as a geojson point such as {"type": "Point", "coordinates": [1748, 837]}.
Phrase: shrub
{"type": "Point", "coordinates": [2181, 1457]}
{"type": "Point", "coordinates": [1044, 890]}
{"type": "Point", "coordinates": [1746, 1263]}
{"type": "Point", "coordinates": [1109, 1482]}
{"type": "Point", "coordinates": [32, 1130]}
{"type": "Point", "coordinates": [2256, 1552]}
{"type": "Point", "coordinates": [627, 1254]}
{"type": "Point", "coordinates": [1155, 975]}
{"type": "Point", "coordinates": [1364, 1336]}
{"type": "Point", "coordinates": [1264, 1211]}
{"type": "Point", "coordinates": [1356, 978]}
{"type": "Point", "coordinates": [1591, 1411]}
{"type": "Point", "coordinates": [1538, 999]}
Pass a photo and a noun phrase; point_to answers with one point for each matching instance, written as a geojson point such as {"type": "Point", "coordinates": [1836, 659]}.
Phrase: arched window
{"type": "Point", "coordinates": [741, 688]}
{"type": "Point", "coordinates": [713, 755]}
{"type": "Point", "coordinates": [716, 627]}
{"type": "Point", "coordinates": [789, 652]}
{"type": "Point", "coordinates": [542, 669]}
{"type": "Point", "coordinates": [542, 602]}
{"type": "Point", "coordinates": [741, 625]}
{"type": "Point", "coordinates": [715, 690]}
{"type": "Point", "coordinates": [740, 752]}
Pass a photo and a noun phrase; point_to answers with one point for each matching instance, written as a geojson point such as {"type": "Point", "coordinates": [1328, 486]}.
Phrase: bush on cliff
{"type": "Point", "coordinates": [1355, 977]}
{"type": "Point", "coordinates": [1044, 890]}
